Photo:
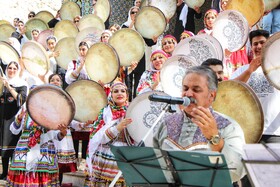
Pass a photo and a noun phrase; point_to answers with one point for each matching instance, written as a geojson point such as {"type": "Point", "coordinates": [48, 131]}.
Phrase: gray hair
{"type": "Point", "coordinates": [206, 72]}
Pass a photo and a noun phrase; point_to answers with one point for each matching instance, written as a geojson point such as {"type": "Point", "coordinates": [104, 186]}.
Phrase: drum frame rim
{"type": "Point", "coordinates": [150, 7]}
{"type": "Point", "coordinates": [268, 43]}
{"type": "Point", "coordinates": [51, 87]}
{"type": "Point", "coordinates": [12, 49]}
{"type": "Point", "coordinates": [257, 101]}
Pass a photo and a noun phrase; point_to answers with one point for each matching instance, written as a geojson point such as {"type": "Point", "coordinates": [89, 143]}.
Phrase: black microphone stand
{"type": "Point", "coordinates": [167, 108]}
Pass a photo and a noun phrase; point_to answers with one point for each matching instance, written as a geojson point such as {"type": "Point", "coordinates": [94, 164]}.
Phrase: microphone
{"type": "Point", "coordinates": [185, 101]}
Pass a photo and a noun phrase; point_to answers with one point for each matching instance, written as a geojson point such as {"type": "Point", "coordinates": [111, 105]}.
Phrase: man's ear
{"type": "Point", "coordinates": [212, 96]}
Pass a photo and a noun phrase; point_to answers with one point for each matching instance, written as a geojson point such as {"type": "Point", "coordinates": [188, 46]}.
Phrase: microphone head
{"type": "Point", "coordinates": [188, 101]}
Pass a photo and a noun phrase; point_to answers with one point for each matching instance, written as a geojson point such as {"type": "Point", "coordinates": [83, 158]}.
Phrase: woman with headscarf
{"type": "Point", "coordinates": [108, 129]}
{"type": "Point", "coordinates": [168, 44]}
{"type": "Point", "coordinates": [105, 36]}
{"type": "Point", "coordinates": [76, 68]}
{"type": "Point", "coordinates": [13, 96]}
{"type": "Point", "coordinates": [209, 19]}
{"type": "Point", "coordinates": [54, 67]}
{"type": "Point", "coordinates": [66, 155]}
{"type": "Point", "coordinates": [150, 80]}
{"type": "Point", "coordinates": [186, 34]}
{"type": "Point", "coordinates": [35, 161]}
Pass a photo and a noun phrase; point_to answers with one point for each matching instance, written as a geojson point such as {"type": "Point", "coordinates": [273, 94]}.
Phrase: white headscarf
{"type": "Point", "coordinates": [128, 22]}
{"type": "Point", "coordinates": [15, 81]}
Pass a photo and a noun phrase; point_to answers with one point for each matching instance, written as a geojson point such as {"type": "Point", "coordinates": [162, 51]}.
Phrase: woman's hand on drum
{"type": "Point", "coordinates": [63, 129]}
{"type": "Point", "coordinates": [42, 77]}
{"type": "Point", "coordinates": [179, 2]}
{"type": "Point", "coordinates": [197, 9]}
{"type": "Point", "coordinates": [5, 82]}
{"type": "Point", "coordinates": [101, 83]}
{"type": "Point", "coordinates": [88, 123]}
{"type": "Point", "coordinates": [55, 54]}
{"type": "Point", "coordinates": [156, 81]}
{"type": "Point", "coordinates": [123, 124]}
{"type": "Point", "coordinates": [227, 53]}
{"type": "Point", "coordinates": [133, 65]}
{"type": "Point", "coordinates": [155, 39]}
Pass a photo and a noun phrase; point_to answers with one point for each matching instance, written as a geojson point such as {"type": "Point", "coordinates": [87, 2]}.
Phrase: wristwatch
{"type": "Point", "coordinates": [215, 140]}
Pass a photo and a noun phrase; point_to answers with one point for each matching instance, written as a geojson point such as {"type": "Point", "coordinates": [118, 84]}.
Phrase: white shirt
{"type": "Point", "coordinates": [268, 96]}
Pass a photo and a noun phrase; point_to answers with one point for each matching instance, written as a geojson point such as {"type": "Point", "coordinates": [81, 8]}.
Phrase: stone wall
{"type": "Point", "coordinates": [20, 8]}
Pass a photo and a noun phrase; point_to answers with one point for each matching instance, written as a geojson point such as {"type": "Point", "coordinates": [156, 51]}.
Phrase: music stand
{"type": "Point", "coordinates": [147, 166]}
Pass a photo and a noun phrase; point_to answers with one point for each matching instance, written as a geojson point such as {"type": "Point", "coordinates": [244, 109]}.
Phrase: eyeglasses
{"type": "Point", "coordinates": [76, 21]}
{"type": "Point", "coordinates": [133, 12]}
{"type": "Point", "coordinates": [31, 16]}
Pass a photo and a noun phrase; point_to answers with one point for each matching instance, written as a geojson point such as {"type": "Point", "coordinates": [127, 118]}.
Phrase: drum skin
{"type": "Point", "coordinates": [44, 15]}
{"type": "Point", "coordinates": [144, 113]}
{"type": "Point", "coordinates": [198, 47]}
{"type": "Point", "coordinates": [270, 4]}
{"type": "Point", "coordinates": [91, 35]}
{"type": "Point", "coordinates": [173, 72]}
{"type": "Point", "coordinates": [168, 7]}
{"type": "Point", "coordinates": [91, 20]}
{"type": "Point", "coordinates": [67, 52]}
{"type": "Point", "coordinates": [49, 106]}
{"type": "Point", "coordinates": [102, 63]}
{"type": "Point", "coordinates": [150, 22]}
{"type": "Point", "coordinates": [42, 38]}
{"type": "Point", "coordinates": [238, 101]}
{"type": "Point", "coordinates": [194, 3]}
{"type": "Point", "coordinates": [65, 28]}
{"type": "Point", "coordinates": [35, 23]}
{"type": "Point", "coordinates": [215, 43]}
{"type": "Point", "coordinates": [89, 98]}
{"type": "Point", "coordinates": [8, 53]}
{"type": "Point", "coordinates": [253, 10]}
{"type": "Point", "coordinates": [2, 21]}
{"type": "Point", "coordinates": [270, 60]}
{"type": "Point", "coordinates": [35, 58]}
{"type": "Point", "coordinates": [231, 29]}
{"type": "Point", "coordinates": [103, 9]}
{"type": "Point", "coordinates": [129, 45]}
{"type": "Point", "coordinates": [69, 10]}
{"type": "Point", "coordinates": [6, 31]}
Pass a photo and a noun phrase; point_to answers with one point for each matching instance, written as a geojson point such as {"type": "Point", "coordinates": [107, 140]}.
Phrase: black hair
{"type": "Point", "coordinates": [258, 32]}
{"type": "Point", "coordinates": [212, 62]}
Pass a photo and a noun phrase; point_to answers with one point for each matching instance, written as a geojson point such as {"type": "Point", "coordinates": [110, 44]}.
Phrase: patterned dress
{"type": "Point", "coordinates": [34, 161]}
{"type": "Point", "coordinates": [148, 78]}
{"type": "Point", "coordinates": [101, 167]}
{"type": "Point", "coordinates": [66, 154]}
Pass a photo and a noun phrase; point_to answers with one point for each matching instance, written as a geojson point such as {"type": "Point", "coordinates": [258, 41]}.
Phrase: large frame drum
{"type": "Point", "coordinates": [50, 106]}
{"type": "Point", "coordinates": [238, 101]}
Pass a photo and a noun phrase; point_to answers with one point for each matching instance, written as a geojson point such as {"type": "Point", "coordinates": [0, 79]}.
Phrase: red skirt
{"type": "Point", "coordinates": [32, 179]}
